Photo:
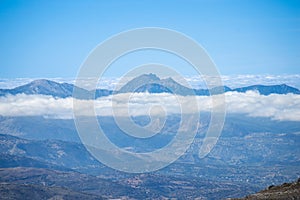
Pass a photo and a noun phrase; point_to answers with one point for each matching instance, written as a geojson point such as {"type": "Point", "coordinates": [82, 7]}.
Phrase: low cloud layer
{"type": "Point", "coordinates": [277, 107]}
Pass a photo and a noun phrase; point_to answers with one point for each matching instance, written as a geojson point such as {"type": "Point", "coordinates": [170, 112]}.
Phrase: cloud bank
{"type": "Point", "coordinates": [275, 106]}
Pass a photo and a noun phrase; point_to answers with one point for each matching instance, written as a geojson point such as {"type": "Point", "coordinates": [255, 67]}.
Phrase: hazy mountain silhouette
{"type": "Point", "coordinates": [144, 83]}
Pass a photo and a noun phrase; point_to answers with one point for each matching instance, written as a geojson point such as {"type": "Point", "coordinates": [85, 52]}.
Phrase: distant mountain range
{"type": "Point", "coordinates": [245, 144]}
{"type": "Point", "coordinates": [144, 83]}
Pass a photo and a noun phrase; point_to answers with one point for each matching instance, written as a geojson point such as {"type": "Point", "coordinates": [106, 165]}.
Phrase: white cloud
{"type": "Point", "coordinates": [30, 105]}
{"type": "Point", "coordinates": [277, 107]}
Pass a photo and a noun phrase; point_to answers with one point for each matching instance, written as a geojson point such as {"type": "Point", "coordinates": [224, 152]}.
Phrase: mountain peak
{"type": "Point", "coordinates": [45, 87]}
{"type": "Point", "coordinates": [139, 81]}
{"type": "Point", "coordinates": [149, 76]}
{"type": "Point", "coordinates": [170, 80]}
{"type": "Point", "coordinates": [41, 81]}
{"type": "Point", "coordinates": [152, 83]}
{"type": "Point", "coordinates": [269, 89]}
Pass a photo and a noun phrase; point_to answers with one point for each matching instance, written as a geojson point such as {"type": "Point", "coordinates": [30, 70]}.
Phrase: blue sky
{"type": "Point", "coordinates": [52, 38]}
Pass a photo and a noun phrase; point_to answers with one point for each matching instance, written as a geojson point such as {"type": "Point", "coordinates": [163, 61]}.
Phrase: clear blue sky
{"type": "Point", "coordinates": [52, 38]}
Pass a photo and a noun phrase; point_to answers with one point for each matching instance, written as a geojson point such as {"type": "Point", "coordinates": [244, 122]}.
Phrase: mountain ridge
{"type": "Point", "coordinates": [144, 83]}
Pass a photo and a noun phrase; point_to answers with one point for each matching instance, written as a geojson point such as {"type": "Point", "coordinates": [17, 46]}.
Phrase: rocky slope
{"type": "Point", "coordinates": [286, 191]}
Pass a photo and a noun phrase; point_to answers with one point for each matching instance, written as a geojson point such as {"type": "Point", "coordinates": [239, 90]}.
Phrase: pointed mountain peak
{"type": "Point", "coordinates": [284, 85]}
{"type": "Point", "coordinates": [139, 81]}
{"type": "Point", "coordinates": [151, 77]}
{"type": "Point", "coordinates": [152, 83]}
